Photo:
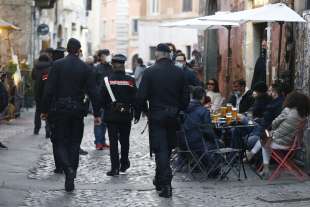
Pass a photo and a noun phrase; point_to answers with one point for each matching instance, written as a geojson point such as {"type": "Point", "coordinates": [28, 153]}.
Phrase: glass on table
{"type": "Point", "coordinates": [229, 118]}
{"type": "Point", "coordinates": [234, 113]}
{"type": "Point", "coordinates": [223, 111]}
{"type": "Point", "coordinates": [229, 108]}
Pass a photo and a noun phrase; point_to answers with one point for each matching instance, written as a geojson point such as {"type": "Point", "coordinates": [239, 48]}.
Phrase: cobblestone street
{"type": "Point", "coordinates": [27, 178]}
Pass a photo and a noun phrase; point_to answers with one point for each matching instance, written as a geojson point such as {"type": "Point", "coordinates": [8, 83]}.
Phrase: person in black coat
{"type": "Point", "coordinates": [102, 70]}
{"type": "Point", "coordinates": [190, 76]}
{"type": "Point", "coordinates": [119, 105]}
{"type": "Point", "coordinates": [262, 100]}
{"type": "Point", "coordinates": [241, 98]}
{"type": "Point", "coordinates": [164, 86]}
{"type": "Point", "coordinates": [41, 70]}
{"type": "Point", "coordinates": [63, 103]}
{"type": "Point", "coordinates": [259, 74]}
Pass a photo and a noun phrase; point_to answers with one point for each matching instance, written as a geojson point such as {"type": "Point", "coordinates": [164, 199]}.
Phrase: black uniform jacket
{"type": "Point", "coordinates": [164, 85]}
{"type": "Point", "coordinates": [70, 77]}
{"type": "Point", "coordinates": [41, 73]}
{"type": "Point", "coordinates": [246, 102]}
{"type": "Point", "coordinates": [124, 89]}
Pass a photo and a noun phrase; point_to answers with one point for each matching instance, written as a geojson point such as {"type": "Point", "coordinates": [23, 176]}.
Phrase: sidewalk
{"type": "Point", "coordinates": [26, 179]}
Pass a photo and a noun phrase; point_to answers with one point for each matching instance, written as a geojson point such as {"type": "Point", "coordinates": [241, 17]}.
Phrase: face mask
{"type": "Point", "coordinates": [108, 58]}
{"type": "Point", "coordinates": [237, 93]}
{"type": "Point", "coordinates": [180, 65]}
{"type": "Point", "coordinates": [171, 55]}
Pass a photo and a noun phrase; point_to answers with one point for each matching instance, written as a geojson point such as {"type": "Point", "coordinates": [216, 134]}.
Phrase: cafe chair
{"type": "Point", "coordinates": [185, 157]}
{"type": "Point", "coordinates": [284, 158]}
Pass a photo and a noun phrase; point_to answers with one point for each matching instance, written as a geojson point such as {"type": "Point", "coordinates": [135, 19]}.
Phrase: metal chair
{"type": "Point", "coordinates": [284, 158]}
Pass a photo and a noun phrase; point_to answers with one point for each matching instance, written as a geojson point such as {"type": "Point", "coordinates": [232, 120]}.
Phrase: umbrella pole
{"type": "Point", "coordinates": [279, 50]}
{"type": "Point", "coordinates": [229, 54]}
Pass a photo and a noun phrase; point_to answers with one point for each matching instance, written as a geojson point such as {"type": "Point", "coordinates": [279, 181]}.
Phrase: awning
{"type": "Point", "coordinates": [199, 24]}
{"type": "Point", "coordinates": [270, 13]}
{"type": "Point", "coordinates": [7, 25]}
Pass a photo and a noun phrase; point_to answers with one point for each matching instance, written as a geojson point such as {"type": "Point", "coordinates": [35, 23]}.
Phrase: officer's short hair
{"type": "Point", "coordinates": [44, 58]}
{"type": "Point", "coordinates": [103, 52]}
{"type": "Point", "coordinates": [198, 93]}
{"type": "Point", "coordinates": [73, 45]}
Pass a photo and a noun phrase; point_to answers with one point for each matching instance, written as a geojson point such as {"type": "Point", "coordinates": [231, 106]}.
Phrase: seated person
{"type": "Point", "coordinates": [296, 108]}
{"type": "Point", "coordinates": [196, 124]}
{"type": "Point", "coordinates": [262, 100]}
{"type": "Point", "coordinates": [241, 98]}
{"type": "Point", "coordinates": [269, 113]}
{"type": "Point", "coordinates": [214, 93]}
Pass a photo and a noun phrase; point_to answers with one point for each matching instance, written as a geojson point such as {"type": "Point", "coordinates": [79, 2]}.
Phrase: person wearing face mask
{"type": "Point", "coordinates": [102, 70]}
{"type": "Point", "coordinates": [260, 66]}
{"type": "Point", "coordinates": [190, 76]}
{"type": "Point", "coordinates": [242, 97]}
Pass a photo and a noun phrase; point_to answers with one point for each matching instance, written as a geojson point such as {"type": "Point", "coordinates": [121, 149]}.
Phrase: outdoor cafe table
{"type": "Point", "coordinates": [240, 141]}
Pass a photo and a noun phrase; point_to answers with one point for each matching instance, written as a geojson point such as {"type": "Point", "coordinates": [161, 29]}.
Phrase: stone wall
{"type": "Point", "coordinates": [302, 74]}
{"type": "Point", "coordinates": [18, 12]}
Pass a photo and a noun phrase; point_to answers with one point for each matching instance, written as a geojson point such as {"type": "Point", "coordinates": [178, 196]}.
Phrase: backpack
{"type": "Point", "coordinates": [4, 97]}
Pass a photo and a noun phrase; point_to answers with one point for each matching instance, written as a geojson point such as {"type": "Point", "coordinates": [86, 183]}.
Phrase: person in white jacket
{"type": "Point", "coordinates": [214, 93]}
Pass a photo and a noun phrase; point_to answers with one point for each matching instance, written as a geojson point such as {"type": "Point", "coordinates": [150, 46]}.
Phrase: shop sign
{"type": "Point", "coordinates": [43, 29]}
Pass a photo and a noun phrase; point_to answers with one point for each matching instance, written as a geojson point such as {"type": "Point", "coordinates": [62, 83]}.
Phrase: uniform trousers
{"type": "Point", "coordinates": [119, 132]}
{"type": "Point", "coordinates": [159, 137]}
{"type": "Point", "coordinates": [67, 138]}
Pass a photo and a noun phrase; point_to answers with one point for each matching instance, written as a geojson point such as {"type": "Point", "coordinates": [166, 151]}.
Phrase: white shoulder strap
{"type": "Point", "coordinates": [107, 84]}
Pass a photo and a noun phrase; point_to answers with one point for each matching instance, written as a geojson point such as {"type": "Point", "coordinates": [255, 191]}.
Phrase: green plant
{"type": "Point", "coordinates": [11, 67]}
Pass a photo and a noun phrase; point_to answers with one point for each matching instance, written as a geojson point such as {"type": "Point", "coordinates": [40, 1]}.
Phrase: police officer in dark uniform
{"type": "Point", "coordinates": [164, 86]}
{"type": "Point", "coordinates": [69, 79]}
{"type": "Point", "coordinates": [119, 99]}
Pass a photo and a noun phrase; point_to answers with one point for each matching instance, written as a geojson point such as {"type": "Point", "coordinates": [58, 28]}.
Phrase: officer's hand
{"type": "Point", "coordinates": [44, 116]}
{"type": "Point", "coordinates": [97, 121]}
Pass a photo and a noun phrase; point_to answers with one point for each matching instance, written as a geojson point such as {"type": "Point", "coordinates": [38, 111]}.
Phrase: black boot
{"type": "Point", "coordinates": [158, 187]}
{"type": "Point", "coordinates": [124, 166]}
{"type": "Point", "coordinates": [58, 171]}
{"type": "Point", "coordinates": [113, 172]}
{"type": "Point", "coordinates": [166, 191]}
{"type": "Point", "coordinates": [69, 183]}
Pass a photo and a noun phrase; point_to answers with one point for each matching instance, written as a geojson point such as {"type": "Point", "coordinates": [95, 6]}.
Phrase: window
{"type": "Point", "coordinates": [88, 5]}
{"type": "Point", "coordinates": [187, 6]}
{"type": "Point", "coordinates": [152, 53]}
{"type": "Point", "coordinates": [308, 4]}
{"type": "Point", "coordinates": [154, 6]}
{"type": "Point", "coordinates": [134, 26]}
{"type": "Point", "coordinates": [188, 52]}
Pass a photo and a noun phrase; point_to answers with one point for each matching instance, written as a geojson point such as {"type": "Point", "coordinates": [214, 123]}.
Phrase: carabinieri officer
{"type": "Point", "coordinates": [118, 100]}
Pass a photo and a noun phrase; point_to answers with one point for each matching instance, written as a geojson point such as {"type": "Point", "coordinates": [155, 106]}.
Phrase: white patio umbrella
{"type": "Point", "coordinates": [270, 13]}
{"type": "Point", "coordinates": [196, 23]}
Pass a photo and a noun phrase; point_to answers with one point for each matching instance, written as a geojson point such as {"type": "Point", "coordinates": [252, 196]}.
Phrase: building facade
{"type": "Point", "coordinates": [159, 12]}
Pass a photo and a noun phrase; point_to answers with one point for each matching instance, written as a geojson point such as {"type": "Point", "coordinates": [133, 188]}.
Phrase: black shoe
{"type": "Point", "coordinates": [36, 131]}
{"type": "Point", "coordinates": [166, 191]}
{"type": "Point", "coordinates": [83, 152]}
{"type": "Point", "coordinates": [113, 172]}
{"type": "Point", "coordinates": [58, 171]}
{"type": "Point", "coordinates": [69, 183]}
{"type": "Point", "coordinates": [157, 186]}
{"type": "Point", "coordinates": [2, 146]}
{"type": "Point", "coordinates": [124, 167]}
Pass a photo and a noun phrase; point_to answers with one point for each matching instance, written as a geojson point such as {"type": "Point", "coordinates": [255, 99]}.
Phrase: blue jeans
{"type": "Point", "coordinates": [100, 131]}
{"type": "Point", "coordinates": [253, 134]}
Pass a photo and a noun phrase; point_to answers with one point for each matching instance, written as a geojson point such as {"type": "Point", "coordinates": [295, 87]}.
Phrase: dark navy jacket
{"type": "Point", "coordinates": [197, 119]}
{"type": "Point", "coordinates": [70, 77]}
{"type": "Point", "coordinates": [260, 105]}
{"type": "Point", "coordinates": [272, 111]}
{"type": "Point", "coordinates": [124, 89]}
{"type": "Point", "coordinates": [190, 77]}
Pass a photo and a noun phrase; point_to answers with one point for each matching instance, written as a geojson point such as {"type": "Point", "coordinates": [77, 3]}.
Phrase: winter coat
{"type": "Point", "coordinates": [260, 105]}
{"type": "Point", "coordinates": [284, 126]}
{"type": "Point", "coordinates": [259, 74]}
{"type": "Point", "coordinates": [197, 126]}
{"type": "Point", "coordinates": [272, 111]}
{"type": "Point", "coordinates": [41, 71]}
{"type": "Point", "coordinates": [245, 103]}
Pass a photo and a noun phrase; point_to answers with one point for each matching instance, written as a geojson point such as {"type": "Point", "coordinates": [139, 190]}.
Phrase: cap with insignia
{"type": "Point", "coordinates": [163, 48]}
{"type": "Point", "coordinates": [119, 58]}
